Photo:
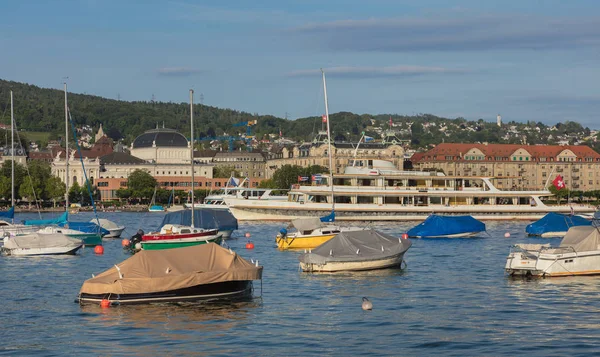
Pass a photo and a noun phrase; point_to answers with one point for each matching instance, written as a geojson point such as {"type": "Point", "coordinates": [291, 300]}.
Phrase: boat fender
{"type": "Point", "coordinates": [357, 251]}
{"type": "Point", "coordinates": [283, 232]}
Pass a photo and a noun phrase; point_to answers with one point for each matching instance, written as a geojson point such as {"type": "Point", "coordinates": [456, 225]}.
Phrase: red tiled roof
{"type": "Point", "coordinates": [491, 151]}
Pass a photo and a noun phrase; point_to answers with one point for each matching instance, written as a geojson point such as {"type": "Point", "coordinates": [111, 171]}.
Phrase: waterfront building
{"type": "Point", "coordinates": [525, 167]}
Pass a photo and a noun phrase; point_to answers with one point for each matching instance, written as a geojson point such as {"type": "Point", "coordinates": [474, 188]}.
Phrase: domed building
{"type": "Point", "coordinates": [161, 146]}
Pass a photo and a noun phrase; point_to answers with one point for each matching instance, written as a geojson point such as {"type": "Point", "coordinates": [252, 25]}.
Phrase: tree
{"type": "Point", "coordinates": [26, 191]}
{"type": "Point", "coordinates": [558, 193]}
{"type": "Point", "coordinates": [141, 184]}
{"type": "Point", "coordinates": [225, 172]}
{"type": "Point", "coordinates": [20, 173]}
{"type": "Point", "coordinates": [267, 184]}
{"type": "Point", "coordinates": [55, 189]}
{"type": "Point", "coordinates": [287, 175]}
{"type": "Point", "coordinates": [5, 187]}
{"type": "Point", "coordinates": [123, 193]}
{"type": "Point", "coordinates": [75, 193]}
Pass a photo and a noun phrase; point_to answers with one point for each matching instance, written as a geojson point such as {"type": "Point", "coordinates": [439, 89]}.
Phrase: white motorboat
{"type": "Point", "coordinates": [41, 244]}
{"type": "Point", "coordinates": [15, 229]}
{"type": "Point", "coordinates": [577, 254]}
{"type": "Point", "coordinates": [356, 251]}
{"type": "Point", "coordinates": [114, 229]}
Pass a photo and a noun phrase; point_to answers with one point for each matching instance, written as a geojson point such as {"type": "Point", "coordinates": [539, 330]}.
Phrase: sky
{"type": "Point", "coordinates": [526, 60]}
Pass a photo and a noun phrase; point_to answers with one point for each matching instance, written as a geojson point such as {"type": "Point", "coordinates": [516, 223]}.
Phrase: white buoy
{"type": "Point", "coordinates": [366, 304]}
{"type": "Point", "coordinates": [506, 235]}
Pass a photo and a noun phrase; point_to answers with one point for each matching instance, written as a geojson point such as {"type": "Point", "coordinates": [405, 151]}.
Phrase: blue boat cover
{"type": "Point", "coordinates": [85, 227]}
{"type": "Point", "coordinates": [329, 218]}
{"type": "Point", "coordinates": [8, 214]}
{"type": "Point", "coordinates": [62, 219]}
{"type": "Point", "coordinates": [555, 222]}
{"type": "Point", "coordinates": [207, 218]}
{"type": "Point", "coordinates": [435, 226]}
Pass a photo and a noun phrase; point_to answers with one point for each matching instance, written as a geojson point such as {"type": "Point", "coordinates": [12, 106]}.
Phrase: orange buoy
{"type": "Point", "coordinates": [99, 249]}
{"type": "Point", "coordinates": [247, 234]}
{"type": "Point", "coordinates": [104, 303]}
{"type": "Point", "coordinates": [404, 236]}
{"type": "Point", "coordinates": [125, 242]}
{"type": "Point", "coordinates": [249, 245]}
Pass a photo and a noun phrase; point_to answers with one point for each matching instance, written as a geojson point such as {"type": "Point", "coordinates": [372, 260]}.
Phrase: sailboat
{"type": "Point", "coordinates": [179, 235]}
{"type": "Point", "coordinates": [312, 232]}
{"type": "Point", "coordinates": [153, 206]}
{"type": "Point", "coordinates": [90, 234]}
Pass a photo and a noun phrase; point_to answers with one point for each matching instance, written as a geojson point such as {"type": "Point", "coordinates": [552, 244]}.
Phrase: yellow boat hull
{"type": "Point", "coordinates": [306, 242]}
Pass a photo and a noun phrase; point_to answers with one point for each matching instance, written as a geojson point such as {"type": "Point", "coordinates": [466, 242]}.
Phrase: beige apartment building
{"type": "Point", "coordinates": [523, 167]}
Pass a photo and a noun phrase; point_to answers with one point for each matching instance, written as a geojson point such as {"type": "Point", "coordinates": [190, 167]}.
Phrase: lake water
{"type": "Point", "coordinates": [453, 300]}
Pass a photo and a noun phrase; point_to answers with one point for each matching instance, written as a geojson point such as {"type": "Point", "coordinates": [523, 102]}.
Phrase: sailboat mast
{"type": "Point", "coordinates": [12, 152]}
{"type": "Point", "coordinates": [328, 140]}
{"type": "Point", "coordinates": [66, 150]}
{"type": "Point", "coordinates": [192, 147]}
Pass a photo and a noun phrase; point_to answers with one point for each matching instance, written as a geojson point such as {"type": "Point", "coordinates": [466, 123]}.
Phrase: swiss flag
{"type": "Point", "coordinates": [558, 182]}
{"type": "Point", "coordinates": [324, 118]}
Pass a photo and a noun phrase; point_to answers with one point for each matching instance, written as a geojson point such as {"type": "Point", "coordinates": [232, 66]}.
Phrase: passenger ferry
{"type": "Point", "coordinates": [376, 190]}
{"type": "Point", "coordinates": [216, 200]}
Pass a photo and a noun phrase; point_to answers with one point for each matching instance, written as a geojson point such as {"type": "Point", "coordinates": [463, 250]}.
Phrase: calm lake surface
{"type": "Point", "coordinates": [453, 300]}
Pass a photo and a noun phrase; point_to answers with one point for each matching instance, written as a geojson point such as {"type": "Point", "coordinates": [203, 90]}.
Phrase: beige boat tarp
{"type": "Point", "coordinates": [582, 238]}
{"type": "Point", "coordinates": [151, 271]}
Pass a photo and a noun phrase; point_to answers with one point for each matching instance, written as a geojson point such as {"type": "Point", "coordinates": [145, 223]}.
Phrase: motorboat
{"type": "Point", "coordinates": [555, 225]}
{"type": "Point", "coordinates": [33, 244]}
{"type": "Point", "coordinates": [436, 226]}
{"type": "Point", "coordinates": [156, 208]}
{"type": "Point", "coordinates": [114, 230]}
{"type": "Point", "coordinates": [577, 254]}
{"type": "Point", "coordinates": [177, 236]}
{"type": "Point", "coordinates": [90, 233]}
{"type": "Point", "coordinates": [203, 272]}
{"type": "Point", "coordinates": [355, 251]}
{"type": "Point", "coordinates": [207, 218]}
{"type": "Point", "coordinates": [309, 233]}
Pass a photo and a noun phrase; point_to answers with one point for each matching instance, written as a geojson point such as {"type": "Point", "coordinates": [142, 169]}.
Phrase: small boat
{"type": "Point", "coordinates": [90, 239]}
{"type": "Point", "coordinates": [207, 218]}
{"type": "Point", "coordinates": [156, 208]}
{"type": "Point", "coordinates": [114, 230]}
{"type": "Point", "coordinates": [555, 225]}
{"type": "Point", "coordinates": [309, 233]}
{"type": "Point", "coordinates": [8, 228]}
{"type": "Point", "coordinates": [355, 251]}
{"type": "Point", "coordinates": [577, 254]}
{"type": "Point", "coordinates": [40, 244]}
{"type": "Point", "coordinates": [178, 236]}
{"type": "Point", "coordinates": [204, 272]}
{"type": "Point", "coordinates": [436, 226]}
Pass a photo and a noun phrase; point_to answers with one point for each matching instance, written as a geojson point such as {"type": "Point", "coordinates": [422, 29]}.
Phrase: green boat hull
{"type": "Point", "coordinates": [88, 239]}
{"type": "Point", "coordinates": [169, 245]}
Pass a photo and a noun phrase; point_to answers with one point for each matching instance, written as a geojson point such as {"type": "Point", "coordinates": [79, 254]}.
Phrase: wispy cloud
{"type": "Point", "coordinates": [453, 33]}
{"type": "Point", "coordinates": [177, 71]}
{"type": "Point", "coordinates": [375, 72]}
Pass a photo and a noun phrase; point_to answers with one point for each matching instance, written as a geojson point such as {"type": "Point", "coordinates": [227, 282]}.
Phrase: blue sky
{"type": "Point", "coordinates": [527, 60]}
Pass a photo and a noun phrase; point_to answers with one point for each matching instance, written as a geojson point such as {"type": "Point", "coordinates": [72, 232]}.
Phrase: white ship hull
{"type": "Point", "coordinates": [331, 267]}
{"type": "Point", "coordinates": [287, 211]}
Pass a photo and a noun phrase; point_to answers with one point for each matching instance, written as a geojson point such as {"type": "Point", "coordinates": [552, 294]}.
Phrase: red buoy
{"type": "Point", "coordinates": [249, 245]}
{"type": "Point", "coordinates": [99, 249]}
{"type": "Point", "coordinates": [104, 303]}
{"type": "Point", "coordinates": [404, 236]}
{"type": "Point", "coordinates": [125, 242]}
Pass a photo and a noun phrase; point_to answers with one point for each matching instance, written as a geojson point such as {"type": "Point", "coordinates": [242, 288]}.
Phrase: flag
{"type": "Point", "coordinates": [234, 182]}
{"type": "Point", "coordinates": [316, 177]}
{"type": "Point", "coordinates": [390, 121]}
{"type": "Point", "coordinates": [558, 182]}
{"type": "Point", "coordinates": [302, 178]}
{"type": "Point", "coordinates": [324, 118]}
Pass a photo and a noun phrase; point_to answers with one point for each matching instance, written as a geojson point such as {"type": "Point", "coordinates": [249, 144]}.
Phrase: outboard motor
{"type": "Point", "coordinates": [283, 232]}
{"type": "Point", "coordinates": [137, 238]}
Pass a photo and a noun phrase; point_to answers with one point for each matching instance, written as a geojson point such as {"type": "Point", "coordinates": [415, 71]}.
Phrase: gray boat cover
{"type": "Point", "coordinates": [361, 245]}
{"type": "Point", "coordinates": [582, 238]}
{"type": "Point", "coordinates": [306, 224]}
{"type": "Point", "coordinates": [106, 224]}
{"type": "Point", "coordinates": [41, 241]}
{"type": "Point", "coordinates": [151, 271]}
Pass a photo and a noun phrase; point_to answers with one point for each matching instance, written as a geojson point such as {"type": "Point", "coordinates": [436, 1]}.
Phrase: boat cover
{"type": "Point", "coordinates": [85, 227]}
{"type": "Point", "coordinates": [582, 238]}
{"type": "Point", "coordinates": [106, 224]}
{"type": "Point", "coordinates": [62, 219]}
{"type": "Point", "coordinates": [207, 218]}
{"type": "Point", "coordinates": [435, 226]}
{"type": "Point", "coordinates": [151, 271]}
{"type": "Point", "coordinates": [329, 218]}
{"type": "Point", "coordinates": [555, 222]}
{"type": "Point", "coordinates": [306, 224]}
{"type": "Point", "coordinates": [8, 214]}
{"type": "Point", "coordinates": [356, 246]}
{"type": "Point", "coordinates": [40, 241]}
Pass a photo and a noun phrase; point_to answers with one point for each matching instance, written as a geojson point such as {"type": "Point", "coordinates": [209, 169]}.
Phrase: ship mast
{"type": "Point", "coordinates": [328, 141]}
{"type": "Point", "coordinates": [192, 147]}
